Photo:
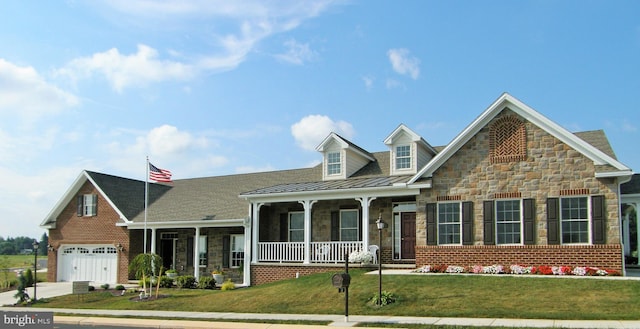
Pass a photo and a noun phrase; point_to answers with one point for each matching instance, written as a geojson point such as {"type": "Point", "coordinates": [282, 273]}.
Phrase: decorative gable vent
{"type": "Point", "coordinates": [507, 140]}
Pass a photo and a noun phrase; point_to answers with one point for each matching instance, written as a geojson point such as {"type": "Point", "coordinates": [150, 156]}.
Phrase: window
{"type": "Point", "coordinates": [349, 225]}
{"type": "Point", "coordinates": [574, 220]}
{"type": "Point", "coordinates": [202, 251]}
{"type": "Point", "coordinates": [403, 157]}
{"type": "Point", "coordinates": [87, 205]}
{"type": "Point", "coordinates": [296, 226]}
{"type": "Point", "coordinates": [449, 223]}
{"type": "Point", "coordinates": [237, 250]}
{"type": "Point", "coordinates": [508, 222]}
{"type": "Point", "coordinates": [333, 163]}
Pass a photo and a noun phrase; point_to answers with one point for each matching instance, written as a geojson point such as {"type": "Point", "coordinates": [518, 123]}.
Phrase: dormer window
{"type": "Point", "coordinates": [403, 157]}
{"type": "Point", "coordinates": [334, 165]}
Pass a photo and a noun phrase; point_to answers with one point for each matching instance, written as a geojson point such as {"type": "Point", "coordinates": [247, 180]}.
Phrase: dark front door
{"type": "Point", "coordinates": [166, 252]}
{"type": "Point", "coordinates": [408, 235]}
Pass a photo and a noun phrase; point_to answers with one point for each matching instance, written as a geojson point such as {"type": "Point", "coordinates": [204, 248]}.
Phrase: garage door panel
{"type": "Point", "coordinates": [88, 263]}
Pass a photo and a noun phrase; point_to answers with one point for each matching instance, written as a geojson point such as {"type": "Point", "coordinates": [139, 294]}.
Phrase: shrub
{"type": "Point", "coordinates": [105, 286]}
{"type": "Point", "coordinates": [28, 276]}
{"type": "Point", "coordinates": [386, 298]}
{"type": "Point", "coordinates": [92, 288]}
{"type": "Point", "coordinates": [206, 282]}
{"type": "Point", "coordinates": [166, 282]}
{"type": "Point", "coordinates": [186, 281]}
{"type": "Point", "coordinates": [119, 287]}
{"type": "Point", "coordinates": [228, 285]}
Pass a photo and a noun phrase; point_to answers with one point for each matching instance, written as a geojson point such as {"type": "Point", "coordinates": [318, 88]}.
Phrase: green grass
{"type": "Point", "coordinates": [417, 295]}
{"type": "Point", "coordinates": [18, 261]}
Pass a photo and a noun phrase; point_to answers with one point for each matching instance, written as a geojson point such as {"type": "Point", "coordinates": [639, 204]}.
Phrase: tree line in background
{"type": "Point", "coordinates": [22, 245]}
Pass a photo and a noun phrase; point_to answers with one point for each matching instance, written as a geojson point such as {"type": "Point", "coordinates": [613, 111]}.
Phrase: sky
{"type": "Point", "coordinates": [208, 87]}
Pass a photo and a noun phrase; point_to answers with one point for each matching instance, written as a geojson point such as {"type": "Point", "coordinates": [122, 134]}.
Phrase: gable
{"type": "Point", "coordinates": [607, 166]}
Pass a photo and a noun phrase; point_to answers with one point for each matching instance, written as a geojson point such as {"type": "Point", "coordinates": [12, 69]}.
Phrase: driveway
{"type": "Point", "coordinates": [43, 290]}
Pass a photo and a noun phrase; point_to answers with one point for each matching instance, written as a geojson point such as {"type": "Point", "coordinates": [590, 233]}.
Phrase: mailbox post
{"type": "Point", "coordinates": [342, 282]}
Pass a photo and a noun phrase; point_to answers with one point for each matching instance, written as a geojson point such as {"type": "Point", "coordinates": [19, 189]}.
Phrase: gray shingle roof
{"type": "Point", "coordinates": [598, 139]}
{"type": "Point", "coordinates": [632, 186]}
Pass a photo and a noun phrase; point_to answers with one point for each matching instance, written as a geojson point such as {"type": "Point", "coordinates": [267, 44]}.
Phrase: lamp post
{"type": "Point", "coordinates": [380, 224]}
{"type": "Point", "coordinates": [35, 268]}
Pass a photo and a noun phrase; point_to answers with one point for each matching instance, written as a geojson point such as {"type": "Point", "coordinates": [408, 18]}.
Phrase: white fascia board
{"type": "Point", "coordinates": [379, 192]}
{"type": "Point", "coordinates": [64, 201]}
{"type": "Point", "coordinates": [186, 224]}
{"type": "Point", "coordinates": [331, 136]}
{"type": "Point", "coordinates": [113, 206]}
{"type": "Point", "coordinates": [414, 138]}
{"type": "Point", "coordinates": [609, 174]}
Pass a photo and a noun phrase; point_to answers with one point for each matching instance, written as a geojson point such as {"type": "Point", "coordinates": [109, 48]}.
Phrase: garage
{"type": "Point", "coordinates": [97, 263]}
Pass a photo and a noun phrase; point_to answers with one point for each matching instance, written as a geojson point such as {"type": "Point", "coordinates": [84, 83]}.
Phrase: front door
{"type": "Point", "coordinates": [168, 252]}
{"type": "Point", "coordinates": [408, 235]}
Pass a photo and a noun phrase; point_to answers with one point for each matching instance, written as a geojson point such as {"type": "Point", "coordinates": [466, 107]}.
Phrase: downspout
{"type": "Point", "coordinates": [621, 180]}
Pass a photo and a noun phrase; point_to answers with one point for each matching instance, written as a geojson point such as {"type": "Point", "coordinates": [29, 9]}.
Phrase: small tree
{"type": "Point", "coordinates": [21, 294]}
{"type": "Point", "coordinates": [145, 265]}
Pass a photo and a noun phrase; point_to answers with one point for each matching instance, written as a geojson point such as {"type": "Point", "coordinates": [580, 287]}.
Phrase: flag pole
{"type": "Point", "coordinates": [146, 203]}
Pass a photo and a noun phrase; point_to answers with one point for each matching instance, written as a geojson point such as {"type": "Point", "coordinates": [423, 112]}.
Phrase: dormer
{"type": "Point", "coordinates": [341, 158]}
{"type": "Point", "coordinates": [408, 151]}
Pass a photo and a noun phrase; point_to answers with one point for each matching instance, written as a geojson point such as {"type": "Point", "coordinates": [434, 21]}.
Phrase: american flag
{"type": "Point", "coordinates": [159, 175]}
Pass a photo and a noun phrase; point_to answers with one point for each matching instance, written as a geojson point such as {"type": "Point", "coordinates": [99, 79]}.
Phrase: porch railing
{"type": "Point", "coordinates": [293, 252]}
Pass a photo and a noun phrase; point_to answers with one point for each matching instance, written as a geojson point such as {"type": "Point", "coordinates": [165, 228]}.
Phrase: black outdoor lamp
{"type": "Point", "coordinates": [35, 267]}
{"type": "Point", "coordinates": [380, 224]}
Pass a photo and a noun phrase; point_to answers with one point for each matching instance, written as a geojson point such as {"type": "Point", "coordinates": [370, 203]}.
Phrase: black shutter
{"type": "Point", "coordinates": [335, 226]}
{"type": "Point", "coordinates": [553, 221]}
{"type": "Point", "coordinates": [80, 199]}
{"type": "Point", "coordinates": [190, 251]}
{"type": "Point", "coordinates": [432, 226]}
{"type": "Point", "coordinates": [94, 197]}
{"type": "Point", "coordinates": [529, 221]}
{"type": "Point", "coordinates": [467, 223]}
{"type": "Point", "coordinates": [284, 227]}
{"type": "Point", "coordinates": [599, 219]}
{"type": "Point", "coordinates": [489, 225]}
{"type": "Point", "coordinates": [226, 251]}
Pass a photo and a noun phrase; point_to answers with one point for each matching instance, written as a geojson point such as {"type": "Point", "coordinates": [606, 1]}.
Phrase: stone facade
{"type": "Point", "coordinates": [551, 169]}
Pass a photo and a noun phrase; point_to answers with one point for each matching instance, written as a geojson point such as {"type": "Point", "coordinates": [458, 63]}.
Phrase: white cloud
{"type": "Point", "coordinates": [403, 63]}
{"type": "Point", "coordinates": [123, 71]}
{"type": "Point", "coordinates": [297, 53]}
{"type": "Point", "coordinates": [392, 84]}
{"type": "Point", "coordinates": [627, 126]}
{"type": "Point", "coordinates": [312, 129]}
{"type": "Point", "coordinates": [368, 82]}
{"type": "Point", "coordinates": [26, 94]}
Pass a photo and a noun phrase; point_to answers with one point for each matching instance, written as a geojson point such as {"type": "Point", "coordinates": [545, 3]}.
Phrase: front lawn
{"type": "Point", "coordinates": [417, 295]}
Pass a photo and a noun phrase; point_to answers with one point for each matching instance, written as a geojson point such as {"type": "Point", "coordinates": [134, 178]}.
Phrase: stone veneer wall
{"type": "Point", "coordinates": [551, 169]}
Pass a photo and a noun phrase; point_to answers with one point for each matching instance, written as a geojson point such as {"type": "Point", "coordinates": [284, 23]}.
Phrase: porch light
{"type": "Point", "coordinates": [35, 268]}
{"type": "Point", "coordinates": [380, 224]}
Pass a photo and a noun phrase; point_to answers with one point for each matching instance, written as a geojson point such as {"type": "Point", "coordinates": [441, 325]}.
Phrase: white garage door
{"type": "Point", "coordinates": [98, 263]}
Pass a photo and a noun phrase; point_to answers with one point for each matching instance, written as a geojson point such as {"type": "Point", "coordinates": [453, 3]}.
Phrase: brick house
{"type": "Point", "coordinates": [512, 188]}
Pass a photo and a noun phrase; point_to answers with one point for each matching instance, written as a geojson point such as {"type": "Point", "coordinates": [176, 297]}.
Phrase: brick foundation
{"type": "Point", "coordinates": [602, 256]}
{"type": "Point", "coordinates": [261, 274]}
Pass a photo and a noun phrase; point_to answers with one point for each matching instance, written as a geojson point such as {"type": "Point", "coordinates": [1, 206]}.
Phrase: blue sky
{"type": "Point", "coordinates": [222, 87]}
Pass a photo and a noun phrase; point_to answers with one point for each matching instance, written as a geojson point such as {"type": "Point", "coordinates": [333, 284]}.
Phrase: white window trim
{"type": "Point", "coordinates": [357, 227]}
{"type": "Point", "coordinates": [397, 157]}
{"type": "Point", "coordinates": [232, 251]}
{"type": "Point", "coordinates": [334, 163]}
{"type": "Point", "coordinates": [203, 243]}
{"type": "Point", "coordinates": [459, 203]}
{"type": "Point", "coordinates": [289, 229]}
{"type": "Point", "coordinates": [495, 214]}
{"type": "Point", "coordinates": [589, 221]}
{"type": "Point", "coordinates": [89, 208]}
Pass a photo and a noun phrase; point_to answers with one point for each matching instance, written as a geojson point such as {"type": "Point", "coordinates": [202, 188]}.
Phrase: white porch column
{"type": "Point", "coordinates": [246, 279]}
{"type": "Point", "coordinates": [153, 240]}
{"type": "Point", "coordinates": [635, 206]}
{"type": "Point", "coordinates": [196, 254]}
{"type": "Point", "coordinates": [307, 229]}
{"type": "Point", "coordinates": [365, 202]}
{"type": "Point", "coordinates": [255, 236]}
{"type": "Point", "coordinates": [626, 236]}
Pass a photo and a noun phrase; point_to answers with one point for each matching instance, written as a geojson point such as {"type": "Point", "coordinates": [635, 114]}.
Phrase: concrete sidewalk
{"type": "Point", "coordinates": [153, 319]}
